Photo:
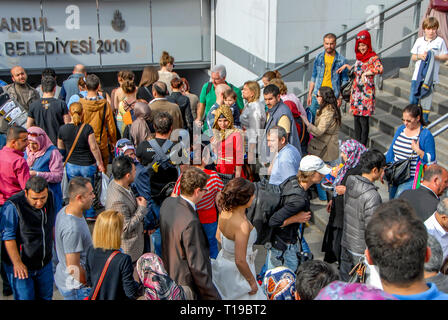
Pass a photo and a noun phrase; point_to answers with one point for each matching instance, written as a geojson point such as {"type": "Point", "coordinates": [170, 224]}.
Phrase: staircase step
{"type": "Point", "coordinates": [441, 87]}
{"type": "Point", "coordinates": [401, 88]}
{"type": "Point", "coordinates": [385, 122]}
{"type": "Point", "coordinates": [390, 103]}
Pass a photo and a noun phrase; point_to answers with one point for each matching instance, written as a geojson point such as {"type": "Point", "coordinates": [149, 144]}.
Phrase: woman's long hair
{"type": "Point", "coordinates": [76, 113]}
{"type": "Point", "coordinates": [329, 101]}
{"type": "Point", "coordinates": [149, 76]}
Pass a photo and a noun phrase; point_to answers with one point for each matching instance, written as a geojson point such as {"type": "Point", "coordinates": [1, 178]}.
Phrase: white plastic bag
{"type": "Point", "coordinates": [104, 185]}
{"type": "Point", "coordinates": [64, 184]}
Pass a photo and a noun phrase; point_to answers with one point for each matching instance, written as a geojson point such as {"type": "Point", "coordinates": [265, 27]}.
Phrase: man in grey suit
{"type": "Point", "coordinates": [160, 104]}
{"type": "Point", "coordinates": [185, 249]}
{"type": "Point", "coordinates": [120, 198]}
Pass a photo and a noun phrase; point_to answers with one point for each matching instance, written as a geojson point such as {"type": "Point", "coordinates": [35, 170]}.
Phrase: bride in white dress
{"type": "Point", "coordinates": [233, 270]}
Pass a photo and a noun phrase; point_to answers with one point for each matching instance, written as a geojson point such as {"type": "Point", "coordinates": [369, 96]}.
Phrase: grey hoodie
{"type": "Point", "coordinates": [361, 199]}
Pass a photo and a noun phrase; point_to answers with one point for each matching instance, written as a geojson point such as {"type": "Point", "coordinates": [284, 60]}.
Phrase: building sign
{"type": "Point", "coordinates": [60, 34]}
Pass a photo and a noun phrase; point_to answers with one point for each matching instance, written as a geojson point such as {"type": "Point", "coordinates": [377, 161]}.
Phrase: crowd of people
{"type": "Point", "coordinates": [167, 179]}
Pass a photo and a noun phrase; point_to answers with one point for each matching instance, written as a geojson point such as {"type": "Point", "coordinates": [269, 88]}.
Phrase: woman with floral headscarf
{"type": "Point", "coordinates": [157, 283]}
{"type": "Point", "coordinates": [362, 100]}
{"type": "Point", "coordinates": [228, 145]}
{"type": "Point", "coordinates": [45, 160]}
{"type": "Point", "coordinates": [351, 151]}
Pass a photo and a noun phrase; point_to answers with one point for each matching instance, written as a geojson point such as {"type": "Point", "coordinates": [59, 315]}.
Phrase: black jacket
{"type": "Point", "coordinates": [423, 200]}
{"type": "Point", "coordinates": [34, 236]}
{"type": "Point", "coordinates": [118, 283]}
{"type": "Point", "coordinates": [293, 199]}
{"type": "Point", "coordinates": [184, 105]}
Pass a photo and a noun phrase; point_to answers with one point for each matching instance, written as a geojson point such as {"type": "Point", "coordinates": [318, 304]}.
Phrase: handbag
{"type": "Point", "coordinates": [439, 5]}
{"type": "Point", "coordinates": [103, 274]}
{"type": "Point", "coordinates": [398, 172]}
{"type": "Point", "coordinates": [346, 88]}
{"type": "Point", "coordinates": [100, 184]}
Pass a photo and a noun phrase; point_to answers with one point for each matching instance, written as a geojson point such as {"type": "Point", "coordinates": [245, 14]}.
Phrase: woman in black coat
{"type": "Point", "coordinates": [118, 282]}
{"type": "Point", "coordinates": [351, 151]}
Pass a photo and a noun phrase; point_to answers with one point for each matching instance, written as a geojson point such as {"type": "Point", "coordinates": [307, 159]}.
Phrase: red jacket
{"type": "Point", "coordinates": [14, 173]}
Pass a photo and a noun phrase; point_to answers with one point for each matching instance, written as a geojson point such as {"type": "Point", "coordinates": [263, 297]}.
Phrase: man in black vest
{"type": "Point", "coordinates": [426, 198]}
{"type": "Point", "coordinates": [27, 221]}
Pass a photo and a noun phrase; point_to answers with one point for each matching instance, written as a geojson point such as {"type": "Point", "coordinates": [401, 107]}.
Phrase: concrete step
{"type": "Point", "coordinates": [401, 88]}
{"type": "Point", "coordinates": [442, 86]}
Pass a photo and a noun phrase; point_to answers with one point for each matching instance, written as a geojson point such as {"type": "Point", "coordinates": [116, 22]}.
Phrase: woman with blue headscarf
{"type": "Point", "coordinates": [351, 151]}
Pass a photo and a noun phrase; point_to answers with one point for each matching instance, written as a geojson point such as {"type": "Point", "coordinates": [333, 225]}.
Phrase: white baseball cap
{"type": "Point", "coordinates": [313, 163]}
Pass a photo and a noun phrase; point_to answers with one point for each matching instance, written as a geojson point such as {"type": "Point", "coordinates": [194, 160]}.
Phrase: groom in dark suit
{"type": "Point", "coordinates": [185, 251]}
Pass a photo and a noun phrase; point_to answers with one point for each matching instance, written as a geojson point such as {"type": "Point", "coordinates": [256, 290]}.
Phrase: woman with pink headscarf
{"type": "Point", "coordinates": [45, 160]}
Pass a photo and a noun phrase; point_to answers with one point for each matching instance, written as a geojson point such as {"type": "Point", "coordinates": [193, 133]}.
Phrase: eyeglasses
{"type": "Point", "coordinates": [406, 120]}
{"type": "Point", "coordinates": [34, 134]}
{"type": "Point", "coordinates": [125, 143]}
{"type": "Point", "coordinates": [362, 37]}
{"type": "Point", "coordinates": [204, 189]}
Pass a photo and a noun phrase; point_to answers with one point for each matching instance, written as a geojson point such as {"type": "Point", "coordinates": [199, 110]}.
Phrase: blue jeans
{"type": "Point", "coordinates": [2, 140]}
{"type": "Point", "coordinates": [156, 237]}
{"type": "Point", "coordinates": [395, 191]}
{"type": "Point", "coordinates": [210, 231]}
{"type": "Point", "coordinates": [74, 170]}
{"type": "Point", "coordinates": [313, 108]}
{"type": "Point", "coordinates": [75, 294]}
{"type": "Point", "coordinates": [38, 285]}
{"type": "Point", "coordinates": [412, 98]}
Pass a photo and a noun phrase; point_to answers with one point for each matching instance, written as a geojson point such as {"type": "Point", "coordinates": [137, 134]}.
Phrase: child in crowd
{"type": "Point", "coordinates": [430, 41]}
{"type": "Point", "coordinates": [230, 101]}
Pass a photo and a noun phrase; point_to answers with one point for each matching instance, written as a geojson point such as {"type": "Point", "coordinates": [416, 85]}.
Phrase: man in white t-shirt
{"type": "Point", "coordinates": [430, 41]}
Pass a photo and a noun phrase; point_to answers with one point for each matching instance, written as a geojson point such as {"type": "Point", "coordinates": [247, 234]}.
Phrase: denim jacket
{"type": "Point", "coordinates": [337, 79]}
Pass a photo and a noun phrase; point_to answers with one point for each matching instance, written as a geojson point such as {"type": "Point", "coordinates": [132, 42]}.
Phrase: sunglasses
{"type": "Point", "coordinates": [204, 189]}
{"type": "Point", "coordinates": [32, 134]}
{"type": "Point", "coordinates": [362, 37]}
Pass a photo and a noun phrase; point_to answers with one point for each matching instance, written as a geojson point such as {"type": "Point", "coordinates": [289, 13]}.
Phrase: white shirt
{"type": "Point", "coordinates": [435, 229]}
{"type": "Point", "coordinates": [438, 47]}
{"type": "Point", "coordinates": [190, 202]}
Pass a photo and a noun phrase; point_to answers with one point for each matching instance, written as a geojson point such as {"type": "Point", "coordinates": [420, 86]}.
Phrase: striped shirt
{"type": "Point", "coordinates": [403, 150]}
{"type": "Point", "coordinates": [206, 207]}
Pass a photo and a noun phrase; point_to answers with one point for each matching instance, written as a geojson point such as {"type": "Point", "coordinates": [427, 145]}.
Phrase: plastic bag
{"type": "Point", "coordinates": [101, 181]}
{"type": "Point", "coordinates": [104, 184]}
{"type": "Point", "coordinates": [64, 184]}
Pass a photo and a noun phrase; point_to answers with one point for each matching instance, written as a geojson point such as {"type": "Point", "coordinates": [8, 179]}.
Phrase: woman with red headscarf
{"type": "Point", "coordinates": [362, 100]}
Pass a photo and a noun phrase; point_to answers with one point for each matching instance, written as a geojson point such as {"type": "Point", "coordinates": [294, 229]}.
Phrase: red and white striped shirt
{"type": "Point", "coordinates": [206, 207]}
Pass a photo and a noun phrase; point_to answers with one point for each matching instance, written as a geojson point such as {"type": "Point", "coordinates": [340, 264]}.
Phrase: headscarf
{"type": "Point", "coordinates": [122, 146]}
{"type": "Point", "coordinates": [158, 285]}
{"type": "Point", "coordinates": [227, 113]}
{"type": "Point", "coordinates": [353, 149]}
{"type": "Point", "coordinates": [139, 128]}
{"type": "Point", "coordinates": [364, 37]}
{"type": "Point", "coordinates": [42, 141]}
{"type": "Point", "coordinates": [338, 290]}
{"type": "Point", "coordinates": [280, 284]}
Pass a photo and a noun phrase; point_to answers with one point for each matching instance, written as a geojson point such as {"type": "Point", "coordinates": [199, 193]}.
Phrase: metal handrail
{"type": "Point", "coordinates": [344, 34]}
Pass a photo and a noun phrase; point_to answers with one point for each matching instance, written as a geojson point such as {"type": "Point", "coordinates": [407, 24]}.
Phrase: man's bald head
{"type": "Point", "coordinates": [79, 68]}
{"type": "Point", "coordinates": [159, 88]}
{"type": "Point", "coordinates": [436, 178]}
{"type": "Point", "coordinates": [18, 75]}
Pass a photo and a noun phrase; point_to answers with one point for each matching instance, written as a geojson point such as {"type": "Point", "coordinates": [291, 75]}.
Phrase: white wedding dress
{"type": "Point", "coordinates": [227, 278]}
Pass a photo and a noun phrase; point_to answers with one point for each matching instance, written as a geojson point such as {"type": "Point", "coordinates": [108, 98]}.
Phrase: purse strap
{"type": "Point", "coordinates": [103, 274]}
{"type": "Point", "coordinates": [74, 144]}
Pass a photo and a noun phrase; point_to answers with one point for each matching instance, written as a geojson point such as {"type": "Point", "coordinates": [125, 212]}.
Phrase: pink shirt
{"type": "Point", "coordinates": [14, 173]}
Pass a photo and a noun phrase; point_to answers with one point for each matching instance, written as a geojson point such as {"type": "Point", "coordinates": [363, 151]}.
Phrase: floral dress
{"type": "Point", "coordinates": [362, 100]}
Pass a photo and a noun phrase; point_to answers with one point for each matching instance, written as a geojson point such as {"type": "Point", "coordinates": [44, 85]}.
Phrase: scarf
{"type": "Point", "coordinates": [227, 113]}
{"type": "Point", "coordinates": [280, 284]}
{"type": "Point", "coordinates": [158, 285]}
{"type": "Point", "coordinates": [353, 149]}
{"type": "Point", "coordinates": [139, 128]}
{"type": "Point", "coordinates": [42, 141]}
{"type": "Point", "coordinates": [364, 37]}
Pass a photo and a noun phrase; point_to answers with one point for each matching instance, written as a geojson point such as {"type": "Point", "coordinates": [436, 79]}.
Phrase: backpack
{"type": "Point", "coordinates": [161, 158]}
{"type": "Point", "coordinates": [266, 202]}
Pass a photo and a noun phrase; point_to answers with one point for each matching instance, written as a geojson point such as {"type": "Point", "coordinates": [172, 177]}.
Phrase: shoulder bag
{"type": "Point", "coordinates": [439, 5]}
{"type": "Point", "coordinates": [346, 88]}
{"type": "Point", "coordinates": [399, 171]}
{"type": "Point", "coordinates": [103, 274]}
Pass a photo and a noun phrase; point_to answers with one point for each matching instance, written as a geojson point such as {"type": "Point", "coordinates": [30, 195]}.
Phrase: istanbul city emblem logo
{"type": "Point", "coordinates": [118, 24]}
